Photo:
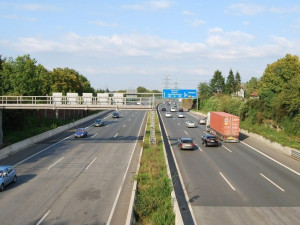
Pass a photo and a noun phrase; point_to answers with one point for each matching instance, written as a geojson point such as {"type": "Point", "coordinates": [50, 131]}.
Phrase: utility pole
{"type": "Point", "coordinates": [166, 81]}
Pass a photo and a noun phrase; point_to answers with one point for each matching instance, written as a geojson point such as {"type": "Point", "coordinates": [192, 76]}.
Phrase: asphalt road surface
{"type": "Point", "coordinates": [64, 180]}
{"type": "Point", "coordinates": [235, 183]}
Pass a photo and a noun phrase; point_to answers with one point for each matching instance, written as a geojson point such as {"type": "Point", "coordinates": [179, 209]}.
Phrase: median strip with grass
{"type": "Point", "coordinates": [153, 203]}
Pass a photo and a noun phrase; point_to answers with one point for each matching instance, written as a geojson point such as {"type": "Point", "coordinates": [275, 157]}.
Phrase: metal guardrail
{"type": "Point", "coordinates": [79, 102]}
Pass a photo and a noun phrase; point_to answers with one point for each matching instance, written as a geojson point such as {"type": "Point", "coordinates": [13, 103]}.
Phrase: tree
{"type": "Point", "coordinates": [141, 90]}
{"type": "Point", "coordinates": [217, 83]}
{"type": "Point", "coordinates": [22, 76]}
{"type": "Point", "coordinates": [204, 90]}
{"type": "Point", "coordinates": [238, 81]}
{"type": "Point", "coordinates": [230, 83]}
{"type": "Point", "coordinates": [277, 77]}
{"type": "Point", "coordinates": [251, 86]}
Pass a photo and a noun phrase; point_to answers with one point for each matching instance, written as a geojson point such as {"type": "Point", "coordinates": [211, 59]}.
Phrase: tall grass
{"type": "Point", "coordinates": [153, 203]}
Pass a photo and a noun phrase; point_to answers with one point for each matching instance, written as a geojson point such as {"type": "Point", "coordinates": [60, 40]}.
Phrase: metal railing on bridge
{"type": "Point", "coordinates": [87, 101]}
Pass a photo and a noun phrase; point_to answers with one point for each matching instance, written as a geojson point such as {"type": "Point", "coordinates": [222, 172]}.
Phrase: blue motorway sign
{"type": "Point", "coordinates": [180, 93]}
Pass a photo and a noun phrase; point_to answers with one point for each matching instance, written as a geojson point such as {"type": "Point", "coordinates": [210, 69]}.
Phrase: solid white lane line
{"type": "Point", "coordinates": [271, 158]}
{"type": "Point", "coordinates": [178, 124]}
{"type": "Point", "coordinates": [123, 180]}
{"type": "Point", "coordinates": [199, 148]}
{"type": "Point", "coordinates": [227, 181]}
{"type": "Point", "coordinates": [107, 125]}
{"type": "Point", "coordinates": [42, 150]}
{"type": "Point", "coordinates": [116, 135]}
{"type": "Point", "coordinates": [41, 220]}
{"type": "Point", "coordinates": [186, 133]}
{"type": "Point", "coordinates": [91, 163]}
{"type": "Point", "coordinates": [124, 125]}
{"type": "Point", "coordinates": [272, 182]}
{"type": "Point", "coordinates": [226, 148]}
{"type": "Point", "coordinates": [55, 163]}
{"type": "Point", "coordinates": [94, 135]}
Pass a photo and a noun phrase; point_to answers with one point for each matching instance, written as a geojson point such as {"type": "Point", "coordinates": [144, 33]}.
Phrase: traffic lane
{"type": "Point", "coordinates": [93, 192]}
{"type": "Point", "coordinates": [108, 168]}
{"type": "Point", "coordinates": [205, 214]}
{"type": "Point", "coordinates": [265, 148]}
{"type": "Point", "coordinates": [281, 185]}
{"type": "Point", "coordinates": [37, 165]}
{"type": "Point", "coordinates": [37, 147]}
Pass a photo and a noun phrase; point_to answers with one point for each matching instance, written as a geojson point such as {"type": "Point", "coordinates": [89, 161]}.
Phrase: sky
{"type": "Point", "coordinates": [155, 44]}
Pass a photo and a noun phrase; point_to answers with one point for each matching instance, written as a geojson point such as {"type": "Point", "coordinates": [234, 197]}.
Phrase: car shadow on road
{"type": "Point", "coordinates": [22, 179]}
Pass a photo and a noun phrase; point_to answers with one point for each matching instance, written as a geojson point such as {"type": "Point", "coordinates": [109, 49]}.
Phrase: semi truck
{"type": "Point", "coordinates": [224, 125]}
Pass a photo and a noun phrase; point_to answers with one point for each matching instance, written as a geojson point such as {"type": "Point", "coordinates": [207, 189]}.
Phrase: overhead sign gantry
{"type": "Point", "coordinates": [180, 93]}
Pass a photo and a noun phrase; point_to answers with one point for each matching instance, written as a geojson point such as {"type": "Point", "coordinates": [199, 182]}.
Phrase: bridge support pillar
{"type": "Point", "coordinates": [1, 131]}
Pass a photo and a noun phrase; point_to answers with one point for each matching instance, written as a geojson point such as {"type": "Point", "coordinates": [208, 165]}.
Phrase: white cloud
{"type": "Point", "coordinates": [188, 13]}
{"type": "Point", "coordinates": [103, 23]}
{"type": "Point", "coordinates": [283, 10]}
{"type": "Point", "coordinates": [18, 17]}
{"type": "Point", "coordinates": [245, 9]}
{"type": "Point", "coordinates": [194, 22]}
{"type": "Point", "coordinates": [30, 6]}
{"type": "Point", "coordinates": [215, 30]}
{"type": "Point", "coordinates": [150, 5]}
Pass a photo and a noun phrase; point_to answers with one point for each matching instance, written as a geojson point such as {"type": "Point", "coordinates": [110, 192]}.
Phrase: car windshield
{"type": "Point", "coordinates": [187, 141]}
{"type": "Point", "coordinates": [98, 121]}
{"type": "Point", "coordinates": [80, 130]}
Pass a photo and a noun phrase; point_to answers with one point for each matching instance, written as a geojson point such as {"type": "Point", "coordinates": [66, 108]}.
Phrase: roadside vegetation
{"type": "Point", "coordinates": [274, 110]}
{"type": "Point", "coordinates": [153, 203]}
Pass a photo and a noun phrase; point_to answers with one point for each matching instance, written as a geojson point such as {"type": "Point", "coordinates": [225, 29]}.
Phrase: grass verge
{"type": "Point", "coordinates": [153, 203]}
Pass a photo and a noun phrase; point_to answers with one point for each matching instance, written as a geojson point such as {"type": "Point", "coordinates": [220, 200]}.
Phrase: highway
{"type": "Point", "coordinates": [234, 183]}
{"type": "Point", "coordinates": [64, 180]}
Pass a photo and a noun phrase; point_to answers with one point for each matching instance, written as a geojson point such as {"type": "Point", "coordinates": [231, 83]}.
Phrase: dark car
{"type": "Point", "coordinates": [115, 115]}
{"type": "Point", "coordinates": [98, 123]}
{"type": "Point", "coordinates": [81, 132]}
{"type": "Point", "coordinates": [185, 143]}
{"type": "Point", "coordinates": [180, 110]}
{"type": "Point", "coordinates": [210, 140]}
{"type": "Point", "coordinates": [7, 175]}
{"type": "Point", "coordinates": [163, 109]}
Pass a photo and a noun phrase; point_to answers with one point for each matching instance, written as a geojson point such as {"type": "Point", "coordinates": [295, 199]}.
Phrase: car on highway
{"type": "Point", "coordinates": [180, 109]}
{"type": "Point", "coordinates": [173, 109]}
{"type": "Point", "coordinates": [185, 143]}
{"type": "Point", "coordinates": [180, 115]}
{"type": "Point", "coordinates": [163, 109]}
{"type": "Point", "coordinates": [210, 140]}
{"type": "Point", "coordinates": [190, 124]}
{"type": "Point", "coordinates": [7, 175]}
{"type": "Point", "coordinates": [168, 115]}
{"type": "Point", "coordinates": [98, 123]}
{"type": "Point", "coordinates": [81, 132]}
{"type": "Point", "coordinates": [115, 115]}
{"type": "Point", "coordinates": [203, 120]}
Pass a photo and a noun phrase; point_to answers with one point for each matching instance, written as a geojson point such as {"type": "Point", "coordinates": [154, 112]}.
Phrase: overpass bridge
{"type": "Point", "coordinates": [103, 101]}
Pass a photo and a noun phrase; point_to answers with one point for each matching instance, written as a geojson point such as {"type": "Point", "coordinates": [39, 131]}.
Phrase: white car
{"type": "Point", "coordinates": [202, 121]}
{"type": "Point", "coordinates": [168, 115]}
{"type": "Point", "coordinates": [173, 109]}
{"type": "Point", "coordinates": [190, 123]}
{"type": "Point", "coordinates": [180, 115]}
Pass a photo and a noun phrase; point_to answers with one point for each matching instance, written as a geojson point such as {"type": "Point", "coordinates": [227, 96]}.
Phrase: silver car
{"type": "Point", "coordinates": [7, 175]}
{"type": "Point", "coordinates": [190, 124]}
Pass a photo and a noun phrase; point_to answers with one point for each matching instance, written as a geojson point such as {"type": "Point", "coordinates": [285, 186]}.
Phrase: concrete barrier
{"type": "Point", "coordinates": [19, 146]}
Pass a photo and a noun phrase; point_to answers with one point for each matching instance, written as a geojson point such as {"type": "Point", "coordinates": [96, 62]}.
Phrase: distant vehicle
{"type": "Point", "coordinates": [98, 123]}
{"type": "Point", "coordinates": [210, 140]}
{"type": "Point", "coordinates": [7, 175]}
{"type": "Point", "coordinates": [163, 109]}
{"type": "Point", "coordinates": [138, 103]}
{"type": "Point", "coordinates": [168, 115]}
{"type": "Point", "coordinates": [180, 115]}
{"type": "Point", "coordinates": [173, 109]}
{"type": "Point", "coordinates": [115, 115]}
{"type": "Point", "coordinates": [202, 121]}
{"type": "Point", "coordinates": [190, 124]}
{"type": "Point", "coordinates": [185, 143]}
{"type": "Point", "coordinates": [224, 125]}
{"type": "Point", "coordinates": [81, 132]}
{"type": "Point", "coordinates": [180, 109]}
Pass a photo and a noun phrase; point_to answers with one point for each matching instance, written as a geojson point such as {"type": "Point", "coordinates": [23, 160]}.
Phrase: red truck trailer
{"type": "Point", "coordinates": [224, 125]}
